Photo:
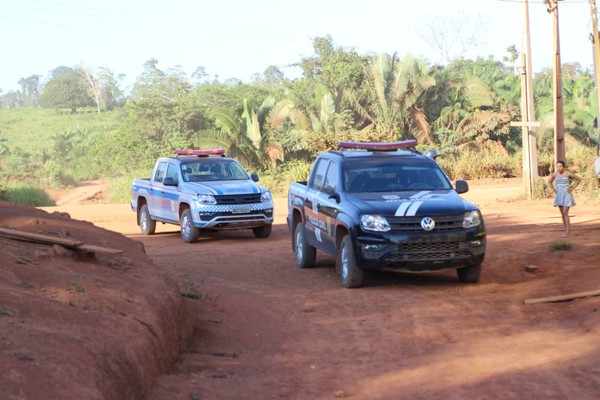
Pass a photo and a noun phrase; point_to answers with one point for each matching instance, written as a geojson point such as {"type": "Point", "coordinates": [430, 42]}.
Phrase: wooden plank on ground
{"type": "Point", "coordinates": [45, 239]}
{"type": "Point", "coordinates": [564, 297]}
{"type": "Point", "coordinates": [38, 238]}
{"type": "Point", "coordinates": [98, 249]}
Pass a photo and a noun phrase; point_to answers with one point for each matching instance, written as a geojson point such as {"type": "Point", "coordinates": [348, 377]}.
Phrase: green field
{"type": "Point", "coordinates": [32, 129]}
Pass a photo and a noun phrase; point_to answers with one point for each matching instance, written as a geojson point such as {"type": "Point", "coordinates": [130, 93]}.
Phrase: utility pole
{"type": "Point", "coordinates": [559, 124]}
{"type": "Point", "coordinates": [530, 171]}
{"type": "Point", "coordinates": [595, 37]}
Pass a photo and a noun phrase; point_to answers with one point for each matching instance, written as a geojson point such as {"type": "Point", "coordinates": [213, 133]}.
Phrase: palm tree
{"type": "Point", "coordinates": [316, 124]}
{"type": "Point", "coordinates": [580, 105]}
{"type": "Point", "coordinates": [246, 136]}
{"type": "Point", "coordinates": [476, 101]}
{"type": "Point", "coordinates": [579, 108]}
{"type": "Point", "coordinates": [391, 102]}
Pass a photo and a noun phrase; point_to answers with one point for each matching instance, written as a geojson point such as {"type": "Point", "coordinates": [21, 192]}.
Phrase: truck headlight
{"type": "Point", "coordinates": [471, 219]}
{"type": "Point", "coordinates": [207, 199]}
{"type": "Point", "coordinates": [374, 222]}
{"type": "Point", "coordinates": [265, 196]}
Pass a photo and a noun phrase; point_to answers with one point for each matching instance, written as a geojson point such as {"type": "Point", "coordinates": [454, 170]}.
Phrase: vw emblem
{"type": "Point", "coordinates": [427, 223]}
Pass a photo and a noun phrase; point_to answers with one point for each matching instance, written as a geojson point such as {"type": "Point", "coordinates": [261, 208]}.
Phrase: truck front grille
{"type": "Point", "coordinates": [413, 224]}
{"type": "Point", "coordinates": [227, 215]}
{"type": "Point", "coordinates": [247, 198]}
{"type": "Point", "coordinates": [427, 251]}
{"type": "Point", "coordinates": [419, 252]}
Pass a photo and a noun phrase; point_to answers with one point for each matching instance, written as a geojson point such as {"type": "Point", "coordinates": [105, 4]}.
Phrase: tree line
{"type": "Point", "coordinates": [278, 124]}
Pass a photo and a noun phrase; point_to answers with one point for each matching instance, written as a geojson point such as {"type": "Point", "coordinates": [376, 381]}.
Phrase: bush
{"type": "Point", "coordinates": [476, 165]}
{"type": "Point", "coordinates": [579, 160]}
{"type": "Point", "coordinates": [25, 194]}
{"type": "Point", "coordinates": [541, 189]}
{"type": "Point", "coordinates": [278, 179]}
{"type": "Point", "coordinates": [119, 190]}
{"type": "Point", "coordinates": [53, 174]}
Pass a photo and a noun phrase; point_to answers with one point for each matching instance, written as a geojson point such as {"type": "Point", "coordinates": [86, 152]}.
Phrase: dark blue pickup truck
{"type": "Point", "coordinates": [384, 206]}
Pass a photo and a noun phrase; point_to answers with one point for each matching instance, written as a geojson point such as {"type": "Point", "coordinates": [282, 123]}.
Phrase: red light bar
{"type": "Point", "coordinates": [199, 152]}
{"type": "Point", "coordinates": [378, 146]}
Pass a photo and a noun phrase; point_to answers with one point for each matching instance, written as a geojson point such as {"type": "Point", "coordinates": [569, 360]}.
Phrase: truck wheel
{"type": "Point", "coordinates": [189, 232]}
{"type": "Point", "coordinates": [146, 223]}
{"type": "Point", "coordinates": [352, 275]}
{"type": "Point", "coordinates": [469, 274]}
{"type": "Point", "coordinates": [306, 255]}
{"type": "Point", "coordinates": [262, 232]}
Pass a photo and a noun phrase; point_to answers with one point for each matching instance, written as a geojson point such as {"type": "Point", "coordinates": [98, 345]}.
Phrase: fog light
{"type": "Point", "coordinates": [475, 243]}
{"type": "Point", "coordinates": [373, 246]}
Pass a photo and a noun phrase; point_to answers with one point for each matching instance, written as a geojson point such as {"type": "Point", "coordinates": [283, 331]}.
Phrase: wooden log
{"type": "Point", "coordinates": [45, 239]}
{"type": "Point", "coordinates": [564, 297]}
{"type": "Point", "coordinates": [38, 238]}
{"type": "Point", "coordinates": [90, 248]}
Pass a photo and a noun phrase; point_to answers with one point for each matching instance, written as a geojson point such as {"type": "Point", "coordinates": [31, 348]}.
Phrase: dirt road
{"type": "Point", "coordinates": [265, 329]}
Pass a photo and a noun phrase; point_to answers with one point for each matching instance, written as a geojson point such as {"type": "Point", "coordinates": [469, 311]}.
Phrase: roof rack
{"type": "Point", "coordinates": [378, 146]}
{"type": "Point", "coordinates": [201, 153]}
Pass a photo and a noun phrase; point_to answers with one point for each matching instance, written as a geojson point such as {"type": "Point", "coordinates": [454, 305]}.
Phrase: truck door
{"type": "Point", "coordinates": [318, 209]}
{"type": "Point", "coordinates": [327, 208]}
{"type": "Point", "coordinates": [170, 194]}
{"type": "Point", "coordinates": [154, 199]}
{"type": "Point", "coordinates": [163, 198]}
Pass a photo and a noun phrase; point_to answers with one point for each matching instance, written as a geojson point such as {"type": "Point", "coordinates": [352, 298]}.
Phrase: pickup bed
{"type": "Point", "coordinates": [201, 190]}
{"type": "Point", "coordinates": [384, 206]}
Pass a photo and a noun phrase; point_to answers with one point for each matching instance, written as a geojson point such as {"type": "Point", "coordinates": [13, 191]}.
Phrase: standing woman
{"type": "Point", "coordinates": [564, 192]}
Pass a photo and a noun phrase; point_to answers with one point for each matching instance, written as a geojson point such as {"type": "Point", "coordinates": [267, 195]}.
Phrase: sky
{"type": "Point", "coordinates": [240, 38]}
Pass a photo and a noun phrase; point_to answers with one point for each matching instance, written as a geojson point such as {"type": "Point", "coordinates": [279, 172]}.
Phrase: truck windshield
{"type": "Point", "coordinates": [386, 175]}
{"type": "Point", "coordinates": [203, 170]}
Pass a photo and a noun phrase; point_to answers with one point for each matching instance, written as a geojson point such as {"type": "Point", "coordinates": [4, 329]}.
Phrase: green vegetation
{"type": "Point", "coordinates": [559, 246]}
{"type": "Point", "coordinates": [19, 193]}
{"type": "Point", "coordinates": [33, 129]}
{"type": "Point", "coordinates": [191, 291]}
{"type": "Point", "coordinates": [75, 286]}
{"type": "Point", "coordinates": [275, 126]}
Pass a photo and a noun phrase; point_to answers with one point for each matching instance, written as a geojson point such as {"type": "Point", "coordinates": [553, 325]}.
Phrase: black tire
{"type": "Point", "coordinates": [262, 232]}
{"type": "Point", "coordinates": [306, 255]}
{"type": "Point", "coordinates": [189, 232]}
{"type": "Point", "coordinates": [352, 276]}
{"type": "Point", "coordinates": [469, 274]}
{"type": "Point", "coordinates": [146, 223]}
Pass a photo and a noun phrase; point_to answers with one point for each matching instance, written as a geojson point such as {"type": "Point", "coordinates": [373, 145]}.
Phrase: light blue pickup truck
{"type": "Point", "coordinates": [202, 190]}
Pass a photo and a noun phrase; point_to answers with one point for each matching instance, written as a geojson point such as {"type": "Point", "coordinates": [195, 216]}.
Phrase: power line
{"type": "Point", "coordinates": [91, 12]}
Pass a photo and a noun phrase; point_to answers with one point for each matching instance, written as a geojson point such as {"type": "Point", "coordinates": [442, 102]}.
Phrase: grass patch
{"type": "Point", "coordinates": [558, 246]}
{"type": "Point", "coordinates": [76, 287]}
{"type": "Point", "coordinates": [191, 291]}
{"type": "Point", "coordinates": [26, 194]}
{"type": "Point", "coordinates": [33, 128]}
{"type": "Point", "coordinates": [119, 188]}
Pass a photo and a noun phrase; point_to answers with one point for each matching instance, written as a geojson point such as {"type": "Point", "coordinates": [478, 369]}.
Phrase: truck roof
{"type": "Point", "coordinates": [354, 153]}
{"type": "Point", "coordinates": [382, 149]}
{"type": "Point", "coordinates": [368, 149]}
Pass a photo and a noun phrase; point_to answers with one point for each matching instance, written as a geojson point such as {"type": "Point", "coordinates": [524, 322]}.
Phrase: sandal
{"type": "Point", "coordinates": [564, 234]}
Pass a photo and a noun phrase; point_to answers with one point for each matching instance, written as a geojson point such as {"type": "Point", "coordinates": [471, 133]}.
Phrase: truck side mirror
{"type": "Point", "coordinates": [254, 177]}
{"type": "Point", "coordinates": [335, 196]}
{"type": "Point", "coordinates": [462, 186]}
{"type": "Point", "coordinates": [170, 181]}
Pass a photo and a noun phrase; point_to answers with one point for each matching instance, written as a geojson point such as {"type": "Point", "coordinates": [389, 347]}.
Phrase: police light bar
{"type": "Point", "coordinates": [378, 146]}
{"type": "Point", "coordinates": [210, 152]}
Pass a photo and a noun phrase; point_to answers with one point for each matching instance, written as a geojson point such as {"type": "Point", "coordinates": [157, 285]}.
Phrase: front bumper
{"type": "Point", "coordinates": [226, 217]}
{"type": "Point", "coordinates": [422, 252]}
